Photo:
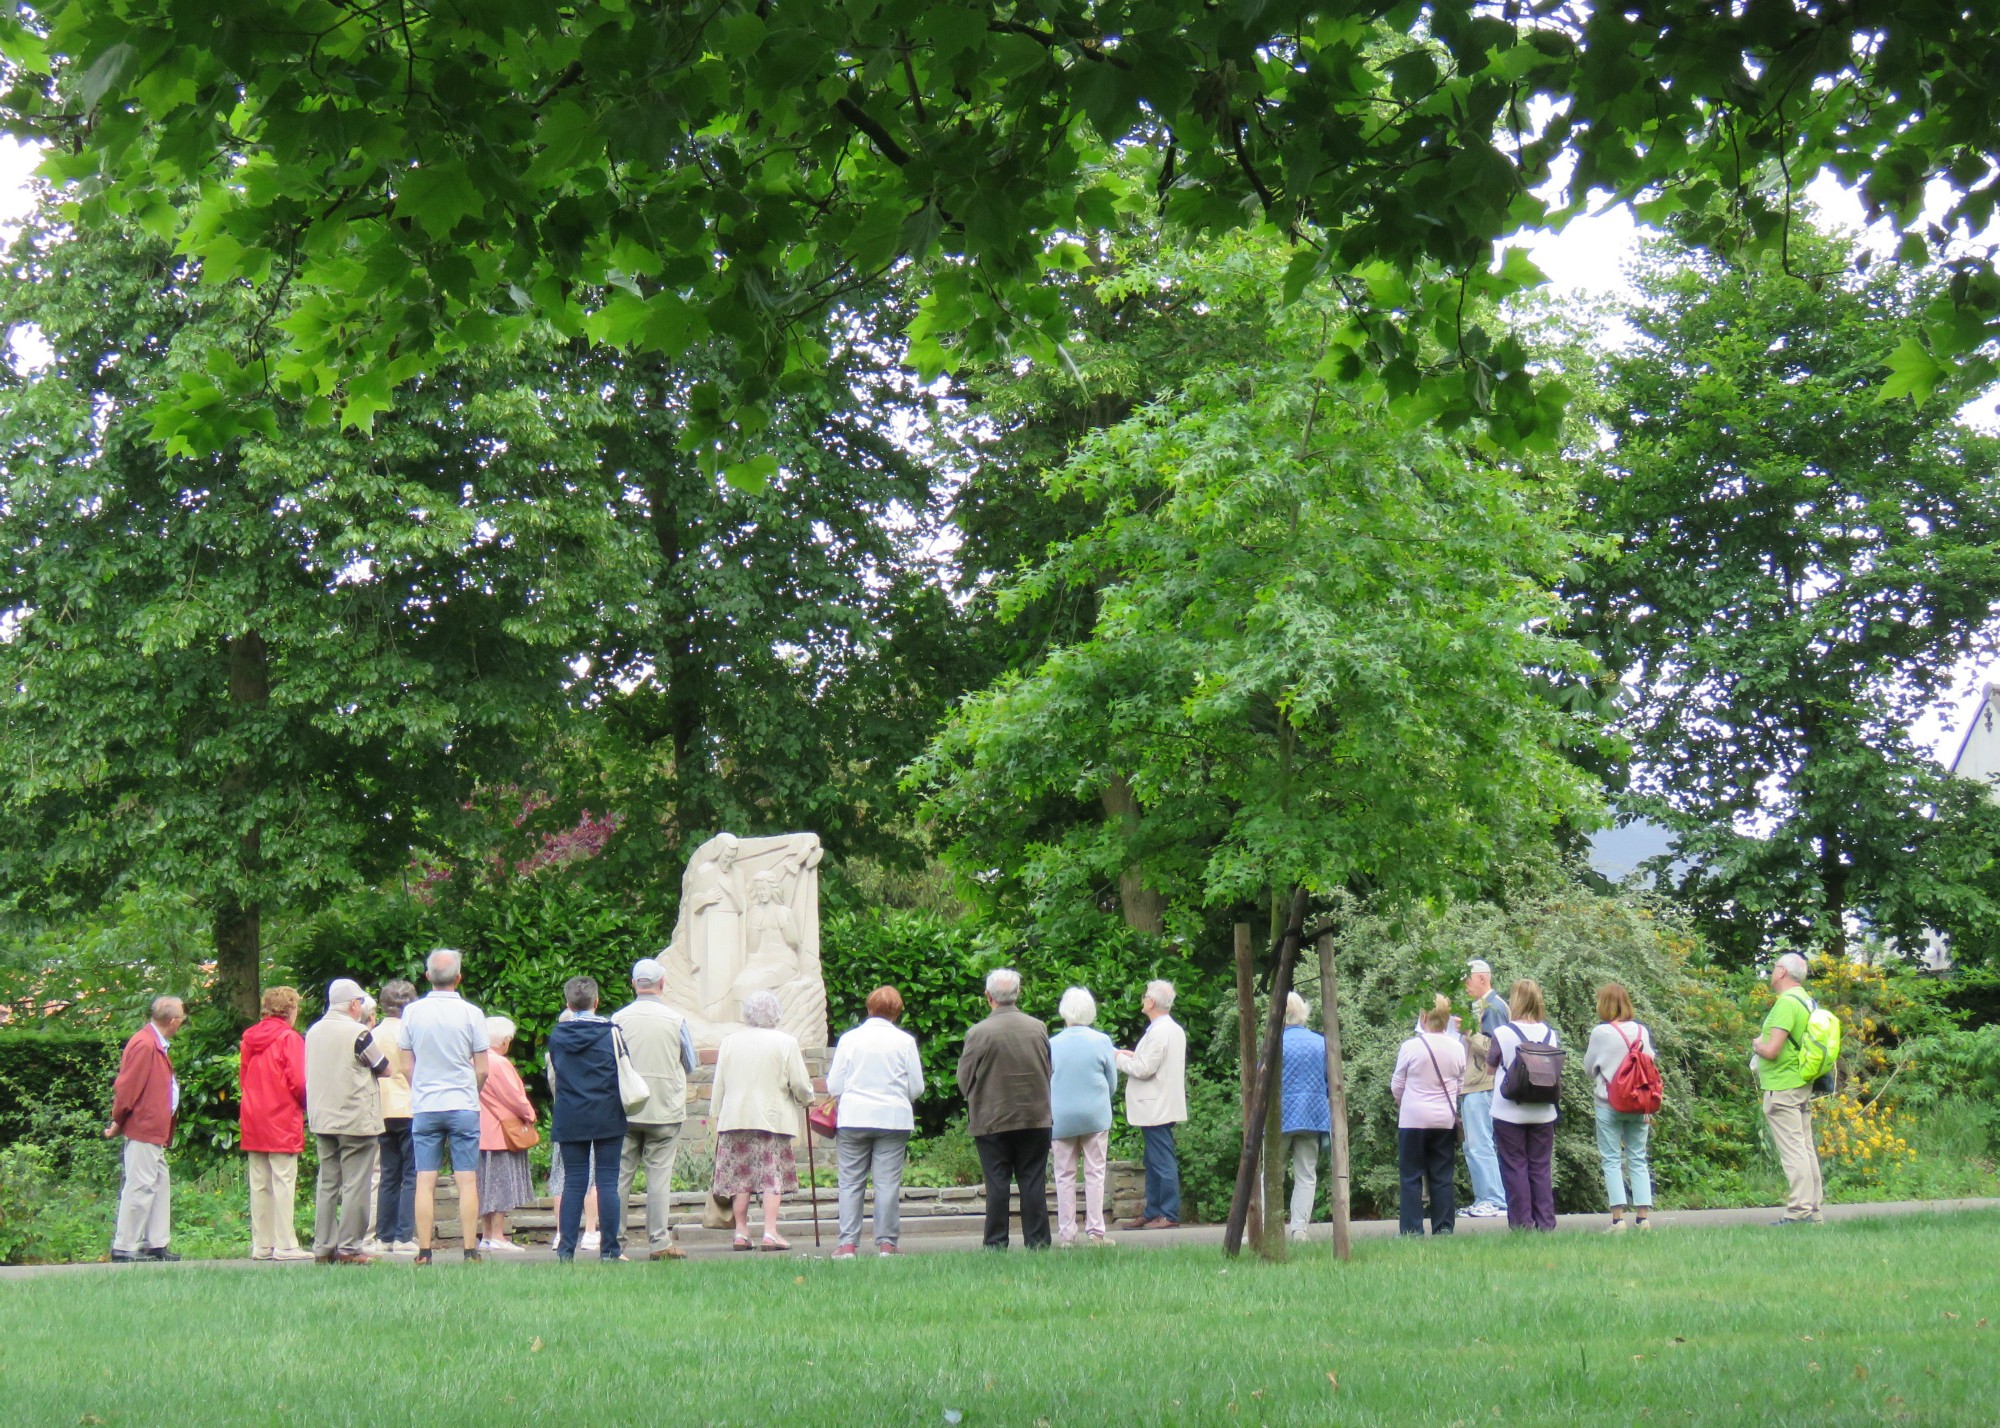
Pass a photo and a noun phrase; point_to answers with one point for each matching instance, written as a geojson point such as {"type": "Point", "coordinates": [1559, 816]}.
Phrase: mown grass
{"type": "Point", "coordinates": [1887, 1320]}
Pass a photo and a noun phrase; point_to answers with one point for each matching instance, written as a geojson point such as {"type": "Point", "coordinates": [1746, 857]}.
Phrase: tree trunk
{"type": "Point", "coordinates": [1142, 907]}
{"type": "Point", "coordinates": [1246, 1051]}
{"type": "Point", "coordinates": [238, 914]}
{"type": "Point", "coordinates": [1336, 1095]}
{"type": "Point", "coordinates": [1271, 1244]}
{"type": "Point", "coordinates": [1833, 888]}
{"type": "Point", "coordinates": [1266, 1085]}
{"type": "Point", "coordinates": [677, 663]}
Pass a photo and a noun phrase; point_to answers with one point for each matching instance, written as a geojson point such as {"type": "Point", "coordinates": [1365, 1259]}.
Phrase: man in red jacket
{"type": "Point", "coordinates": [144, 1100]}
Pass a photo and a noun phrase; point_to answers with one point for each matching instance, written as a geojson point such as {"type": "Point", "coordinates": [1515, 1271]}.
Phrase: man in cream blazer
{"type": "Point", "coordinates": [1155, 1102]}
{"type": "Point", "coordinates": [662, 1048]}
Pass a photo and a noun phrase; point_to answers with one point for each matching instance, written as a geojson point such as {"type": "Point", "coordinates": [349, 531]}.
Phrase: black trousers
{"type": "Point", "coordinates": [1019, 1156]}
{"type": "Point", "coordinates": [1427, 1155]}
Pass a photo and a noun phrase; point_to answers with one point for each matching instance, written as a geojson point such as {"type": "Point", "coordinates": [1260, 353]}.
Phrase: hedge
{"type": "Point", "coordinates": [61, 1067]}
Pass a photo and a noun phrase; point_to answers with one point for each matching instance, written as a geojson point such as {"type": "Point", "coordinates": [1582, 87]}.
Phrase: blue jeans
{"type": "Point", "coordinates": [1163, 1174]}
{"type": "Point", "coordinates": [1480, 1157]}
{"type": "Point", "coordinates": [396, 1202]}
{"type": "Point", "coordinates": [1622, 1136]}
{"type": "Point", "coordinates": [577, 1158]}
{"type": "Point", "coordinates": [430, 1130]}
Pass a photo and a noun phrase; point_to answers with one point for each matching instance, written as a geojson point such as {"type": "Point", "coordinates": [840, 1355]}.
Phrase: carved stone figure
{"type": "Point", "coordinates": [749, 921]}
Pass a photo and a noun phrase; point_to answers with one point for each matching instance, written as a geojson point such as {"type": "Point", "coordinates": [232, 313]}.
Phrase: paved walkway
{"type": "Point", "coordinates": [934, 1243]}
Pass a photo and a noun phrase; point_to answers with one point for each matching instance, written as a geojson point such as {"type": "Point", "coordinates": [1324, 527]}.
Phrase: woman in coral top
{"type": "Point", "coordinates": [272, 1075]}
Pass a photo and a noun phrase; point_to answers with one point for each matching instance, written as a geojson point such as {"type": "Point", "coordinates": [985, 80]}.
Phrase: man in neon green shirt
{"type": "Point", "coordinates": [1787, 1097]}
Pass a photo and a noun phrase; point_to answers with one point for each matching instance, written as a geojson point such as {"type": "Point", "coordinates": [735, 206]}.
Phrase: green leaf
{"type": "Point", "coordinates": [1913, 372]}
{"type": "Point", "coordinates": [438, 196]}
{"type": "Point", "coordinates": [752, 476]}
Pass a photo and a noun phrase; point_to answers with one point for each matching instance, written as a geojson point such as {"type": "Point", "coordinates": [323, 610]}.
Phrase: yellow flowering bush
{"type": "Point", "coordinates": [1864, 1136]}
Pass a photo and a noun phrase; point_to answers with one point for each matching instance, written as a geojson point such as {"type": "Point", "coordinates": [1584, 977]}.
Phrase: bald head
{"type": "Point", "coordinates": [168, 1014]}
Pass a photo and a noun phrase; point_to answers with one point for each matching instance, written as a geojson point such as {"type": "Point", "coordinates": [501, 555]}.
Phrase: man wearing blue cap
{"type": "Point", "coordinates": [662, 1050]}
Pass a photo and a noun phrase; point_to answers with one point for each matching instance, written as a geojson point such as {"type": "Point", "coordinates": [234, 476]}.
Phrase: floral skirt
{"type": "Point", "coordinates": [754, 1162]}
{"type": "Point", "coordinates": [505, 1182]}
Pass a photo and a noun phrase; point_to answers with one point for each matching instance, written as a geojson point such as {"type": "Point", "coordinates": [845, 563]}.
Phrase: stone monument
{"type": "Point", "coordinates": [749, 921]}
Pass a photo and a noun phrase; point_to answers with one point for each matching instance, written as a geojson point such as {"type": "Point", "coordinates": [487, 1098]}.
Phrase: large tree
{"type": "Point", "coordinates": [428, 174]}
{"type": "Point", "coordinates": [1798, 565]}
{"type": "Point", "coordinates": [261, 674]}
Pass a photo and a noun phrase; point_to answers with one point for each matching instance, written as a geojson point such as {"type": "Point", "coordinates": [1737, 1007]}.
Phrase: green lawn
{"type": "Point", "coordinates": [1703, 1326]}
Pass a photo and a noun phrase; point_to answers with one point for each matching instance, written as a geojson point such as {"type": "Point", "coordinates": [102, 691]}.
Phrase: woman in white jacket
{"type": "Point", "coordinates": [761, 1084]}
{"type": "Point", "coordinates": [876, 1073]}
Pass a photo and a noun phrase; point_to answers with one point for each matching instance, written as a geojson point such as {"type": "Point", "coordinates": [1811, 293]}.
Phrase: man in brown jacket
{"type": "Point", "coordinates": [1004, 1073]}
{"type": "Point", "coordinates": [144, 1100]}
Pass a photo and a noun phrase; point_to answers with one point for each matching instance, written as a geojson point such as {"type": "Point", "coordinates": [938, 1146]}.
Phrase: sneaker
{"type": "Point", "coordinates": [1643, 1223]}
{"type": "Point", "coordinates": [162, 1255]}
{"type": "Point", "coordinates": [1297, 1237]}
{"type": "Point", "coordinates": [1101, 1241]}
{"type": "Point", "coordinates": [843, 1252]}
{"type": "Point", "coordinates": [125, 1256]}
{"type": "Point", "coordinates": [373, 1246]}
{"type": "Point", "coordinates": [403, 1247]}
{"type": "Point", "coordinates": [1067, 1241]}
{"type": "Point", "coordinates": [886, 1248]}
{"type": "Point", "coordinates": [502, 1247]}
{"type": "Point", "coordinates": [1483, 1210]}
{"type": "Point", "coordinates": [259, 1256]}
{"type": "Point", "coordinates": [592, 1240]}
{"type": "Point", "coordinates": [1616, 1227]}
{"type": "Point", "coordinates": [293, 1255]}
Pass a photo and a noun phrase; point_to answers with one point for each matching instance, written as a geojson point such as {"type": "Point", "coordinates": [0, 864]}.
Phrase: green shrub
{"type": "Point", "coordinates": [55, 1066]}
{"type": "Point", "coordinates": [1571, 941]}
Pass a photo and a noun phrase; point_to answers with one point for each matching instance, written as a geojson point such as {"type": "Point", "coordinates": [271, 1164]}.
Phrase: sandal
{"type": "Point", "coordinates": [772, 1242]}
{"type": "Point", "coordinates": [741, 1242]}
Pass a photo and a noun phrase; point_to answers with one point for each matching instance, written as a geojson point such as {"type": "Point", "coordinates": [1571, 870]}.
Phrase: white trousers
{"type": "Point", "coordinates": [145, 1200]}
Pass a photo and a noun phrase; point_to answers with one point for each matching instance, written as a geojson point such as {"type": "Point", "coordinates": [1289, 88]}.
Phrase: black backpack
{"type": "Point", "coordinates": [1534, 1076]}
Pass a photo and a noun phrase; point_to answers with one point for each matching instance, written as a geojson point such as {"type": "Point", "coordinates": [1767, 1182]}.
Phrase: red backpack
{"type": "Point", "coordinates": [1635, 1087]}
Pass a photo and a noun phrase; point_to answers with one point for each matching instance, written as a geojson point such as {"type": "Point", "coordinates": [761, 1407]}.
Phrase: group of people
{"type": "Point", "coordinates": [388, 1101]}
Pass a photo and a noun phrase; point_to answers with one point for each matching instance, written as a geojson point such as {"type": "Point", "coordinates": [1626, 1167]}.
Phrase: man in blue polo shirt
{"type": "Point", "coordinates": [442, 1047]}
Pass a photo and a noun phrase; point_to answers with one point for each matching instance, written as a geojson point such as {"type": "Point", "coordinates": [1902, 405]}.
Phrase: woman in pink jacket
{"type": "Point", "coordinates": [1430, 1073]}
{"type": "Point", "coordinates": [505, 1182]}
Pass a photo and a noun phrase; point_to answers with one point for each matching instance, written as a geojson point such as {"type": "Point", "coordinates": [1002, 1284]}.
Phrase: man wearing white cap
{"type": "Point", "coordinates": [1489, 1194]}
{"type": "Point", "coordinates": [661, 1047]}
{"type": "Point", "coordinates": [344, 1111]}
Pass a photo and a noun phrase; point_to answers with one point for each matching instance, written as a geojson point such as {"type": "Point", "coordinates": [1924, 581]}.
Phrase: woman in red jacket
{"type": "Point", "coordinates": [273, 1078]}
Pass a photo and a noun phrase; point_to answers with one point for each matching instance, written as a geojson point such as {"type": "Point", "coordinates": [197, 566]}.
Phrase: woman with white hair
{"type": "Point", "coordinates": [761, 1085]}
{"type": "Point", "coordinates": [506, 1130]}
{"type": "Point", "coordinates": [1304, 1113]}
{"type": "Point", "coordinates": [1083, 1079]}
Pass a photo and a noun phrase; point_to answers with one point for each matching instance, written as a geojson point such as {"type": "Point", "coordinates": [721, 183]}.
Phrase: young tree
{"type": "Point", "coordinates": [1799, 563]}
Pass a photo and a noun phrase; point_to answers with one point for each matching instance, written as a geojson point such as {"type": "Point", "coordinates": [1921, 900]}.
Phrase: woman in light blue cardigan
{"type": "Point", "coordinates": [1084, 1078]}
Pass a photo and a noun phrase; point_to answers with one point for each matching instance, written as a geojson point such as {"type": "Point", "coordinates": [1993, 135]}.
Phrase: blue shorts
{"type": "Point", "coordinates": [431, 1129]}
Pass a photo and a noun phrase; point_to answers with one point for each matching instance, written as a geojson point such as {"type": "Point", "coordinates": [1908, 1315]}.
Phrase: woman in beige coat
{"type": "Point", "coordinates": [761, 1086]}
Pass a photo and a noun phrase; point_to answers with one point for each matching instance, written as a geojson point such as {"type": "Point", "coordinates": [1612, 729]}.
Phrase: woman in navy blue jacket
{"type": "Point", "coordinates": [588, 1119]}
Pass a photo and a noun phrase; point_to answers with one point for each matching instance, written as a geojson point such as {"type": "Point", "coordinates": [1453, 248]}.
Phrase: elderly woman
{"type": "Point", "coordinates": [505, 1182]}
{"type": "Point", "coordinates": [760, 1087]}
{"type": "Point", "coordinates": [1429, 1075]}
{"type": "Point", "coordinates": [877, 1074]}
{"type": "Point", "coordinates": [272, 1078]}
{"type": "Point", "coordinates": [1305, 1116]}
{"type": "Point", "coordinates": [1082, 1081]}
{"type": "Point", "coordinates": [396, 1200]}
{"type": "Point", "coordinates": [588, 1120]}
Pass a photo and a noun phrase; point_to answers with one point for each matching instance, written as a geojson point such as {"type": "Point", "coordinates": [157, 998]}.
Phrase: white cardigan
{"type": "Point", "coordinates": [760, 1082]}
{"type": "Point", "coordinates": [876, 1073]}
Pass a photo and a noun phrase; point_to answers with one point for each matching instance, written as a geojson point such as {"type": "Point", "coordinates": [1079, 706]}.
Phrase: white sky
{"type": "Point", "coordinates": [1587, 258]}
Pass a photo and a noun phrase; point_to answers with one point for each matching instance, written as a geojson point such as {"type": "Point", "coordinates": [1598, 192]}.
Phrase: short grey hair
{"type": "Point", "coordinates": [1794, 966]}
{"type": "Point", "coordinates": [396, 995]}
{"type": "Point", "coordinates": [580, 993]}
{"type": "Point", "coordinates": [761, 1008]}
{"type": "Point", "coordinates": [1295, 1009]}
{"type": "Point", "coordinates": [1078, 1007]}
{"type": "Point", "coordinates": [1162, 994]}
{"type": "Point", "coordinates": [1003, 986]}
{"type": "Point", "coordinates": [444, 967]}
{"type": "Point", "coordinates": [165, 1009]}
{"type": "Point", "coordinates": [499, 1029]}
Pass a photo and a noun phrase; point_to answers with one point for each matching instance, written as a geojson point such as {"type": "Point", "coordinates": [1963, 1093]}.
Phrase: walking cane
{"type": "Point", "coordinates": [812, 1181]}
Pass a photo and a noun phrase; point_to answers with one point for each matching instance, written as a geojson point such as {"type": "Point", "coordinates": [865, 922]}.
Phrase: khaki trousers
{"type": "Point", "coordinates": [145, 1200]}
{"type": "Point", "coordinates": [655, 1147]}
{"type": "Point", "coordinates": [274, 1183]}
{"type": "Point", "coordinates": [1789, 1114]}
{"type": "Point", "coordinates": [346, 1190]}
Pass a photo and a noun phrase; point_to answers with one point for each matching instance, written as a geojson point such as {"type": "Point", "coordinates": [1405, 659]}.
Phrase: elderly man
{"type": "Point", "coordinates": [344, 1113]}
{"type": "Point", "coordinates": [144, 1100]}
{"type": "Point", "coordinates": [1787, 1096]}
{"type": "Point", "coordinates": [661, 1047]}
{"type": "Point", "coordinates": [1489, 1010]}
{"type": "Point", "coordinates": [1155, 1102]}
{"type": "Point", "coordinates": [1004, 1074]}
{"type": "Point", "coordinates": [441, 1046]}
